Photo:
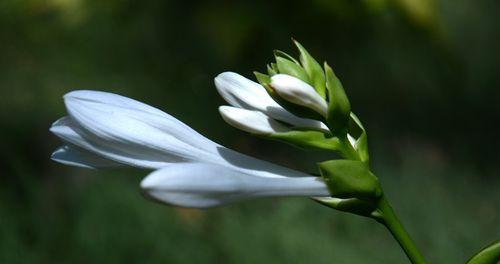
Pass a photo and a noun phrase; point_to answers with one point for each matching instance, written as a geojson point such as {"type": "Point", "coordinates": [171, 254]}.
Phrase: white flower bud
{"type": "Point", "coordinates": [298, 92]}
{"type": "Point", "coordinates": [254, 122]}
{"type": "Point", "coordinates": [241, 92]}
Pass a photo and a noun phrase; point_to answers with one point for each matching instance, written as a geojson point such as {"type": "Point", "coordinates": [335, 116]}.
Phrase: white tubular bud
{"type": "Point", "coordinates": [254, 122]}
{"type": "Point", "coordinates": [298, 92]}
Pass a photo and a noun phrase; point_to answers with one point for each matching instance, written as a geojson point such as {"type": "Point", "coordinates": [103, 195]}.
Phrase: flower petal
{"type": "Point", "coordinates": [131, 154]}
{"type": "Point", "coordinates": [298, 92]}
{"type": "Point", "coordinates": [202, 185]}
{"type": "Point", "coordinates": [111, 104]}
{"type": "Point", "coordinates": [244, 93]}
{"type": "Point", "coordinates": [147, 139]}
{"type": "Point", "coordinates": [254, 122]}
{"type": "Point", "coordinates": [73, 156]}
{"type": "Point", "coordinates": [133, 129]}
{"type": "Point", "coordinates": [114, 100]}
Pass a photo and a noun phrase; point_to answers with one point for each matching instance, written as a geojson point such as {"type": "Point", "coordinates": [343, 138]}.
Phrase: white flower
{"type": "Point", "coordinates": [74, 156]}
{"type": "Point", "coordinates": [105, 129]}
{"type": "Point", "coordinates": [297, 91]}
{"type": "Point", "coordinates": [241, 92]}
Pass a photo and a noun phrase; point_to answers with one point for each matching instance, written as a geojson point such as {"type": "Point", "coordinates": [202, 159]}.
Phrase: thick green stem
{"type": "Point", "coordinates": [384, 212]}
{"type": "Point", "coordinates": [389, 219]}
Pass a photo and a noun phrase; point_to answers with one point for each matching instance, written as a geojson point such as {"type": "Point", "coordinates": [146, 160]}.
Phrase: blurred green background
{"type": "Point", "coordinates": [421, 74]}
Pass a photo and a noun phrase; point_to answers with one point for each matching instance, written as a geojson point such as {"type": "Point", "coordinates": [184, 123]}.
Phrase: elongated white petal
{"type": "Point", "coordinates": [81, 158]}
{"type": "Point", "coordinates": [83, 103]}
{"type": "Point", "coordinates": [129, 128]}
{"type": "Point", "coordinates": [129, 154]}
{"type": "Point", "coordinates": [244, 93]}
{"type": "Point", "coordinates": [251, 121]}
{"type": "Point", "coordinates": [298, 92]}
{"type": "Point", "coordinates": [202, 185]}
{"type": "Point", "coordinates": [111, 99]}
{"type": "Point", "coordinates": [136, 135]}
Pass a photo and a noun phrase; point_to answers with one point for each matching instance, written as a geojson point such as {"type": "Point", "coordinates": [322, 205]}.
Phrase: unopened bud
{"type": "Point", "coordinates": [254, 122]}
{"type": "Point", "coordinates": [298, 92]}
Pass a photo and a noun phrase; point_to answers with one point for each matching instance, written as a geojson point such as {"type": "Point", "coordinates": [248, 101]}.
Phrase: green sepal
{"type": "Point", "coordinates": [488, 255]}
{"type": "Point", "coordinates": [313, 70]}
{"type": "Point", "coordinates": [298, 110]}
{"type": "Point", "coordinates": [263, 79]}
{"type": "Point", "coordinates": [289, 67]}
{"type": "Point", "coordinates": [339, 108]}
{"type": "Point", "coordinates": [279, 53]}
{"type": "Point", "coordinates": [308, 139]}
{"type": "Point", "coordinates": [350, 179]}
{"type": "Point", "coordinates": [350, 205]}
{"type": "Point", "coordinates": [272, 69]}
{"type": "Point", "coordinates": [362, 147]}
{"type": "Point", "coordinates": [355, 126]}
{"type": "Point", "coordinates": [357, 131]}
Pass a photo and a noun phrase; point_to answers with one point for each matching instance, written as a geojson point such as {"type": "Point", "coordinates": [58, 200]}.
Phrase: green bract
{"type": "Point", "coordinates": [291, 68]}
{"type": "Point", "coordinates": [350, 179]}
{"type": "Point", "coordinates": [351, 205]}
{"type": "Point", "coordinates": [307, 139]}
{"type": "Point", "coordinates": [339, 108]}
{"type": "Point", "coordinates": [347, 135]}
{"type": "Point", "coordinates": [356, 130]}
{"type": "Point", "coordinates": [313, 70]}
{"type": "Point", "coordinates": [263, 79]}
{"type": "Point", "coordinates": [488, 255]}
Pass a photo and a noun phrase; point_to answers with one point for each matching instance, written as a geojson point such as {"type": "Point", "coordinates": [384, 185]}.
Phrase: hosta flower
{"type": "Point", "coordinates": [104, 129]}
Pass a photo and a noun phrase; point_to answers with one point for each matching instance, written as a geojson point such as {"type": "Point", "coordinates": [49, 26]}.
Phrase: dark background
{"type": "Point", "coordinates": [421, 74]}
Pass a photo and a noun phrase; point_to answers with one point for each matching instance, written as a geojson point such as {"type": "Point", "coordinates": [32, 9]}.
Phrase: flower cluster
{"type": "Point", "coordinates": [105, 130]}
{"type": "Point", "coordinates": [297, 102]}
{"type": "Point", "coordinates": [301, 103]}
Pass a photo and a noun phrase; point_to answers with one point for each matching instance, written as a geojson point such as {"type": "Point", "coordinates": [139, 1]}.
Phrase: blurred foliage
{"type": "Point", "coordinates": [421, 74]}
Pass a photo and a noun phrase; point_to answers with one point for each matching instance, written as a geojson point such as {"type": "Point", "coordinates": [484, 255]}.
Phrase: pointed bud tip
{"type": "Point", "coordinates": [296, 43]}
{"type": "Point", "coordinates": [150, 182]}
{"type": "Point", "coordinates": [227, 75]}
{"type": "Point", "coordinates": [83, 94]}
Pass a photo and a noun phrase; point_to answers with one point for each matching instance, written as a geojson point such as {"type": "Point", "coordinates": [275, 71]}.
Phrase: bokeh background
{"type": "Point", "coordinates": [421, 74]}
